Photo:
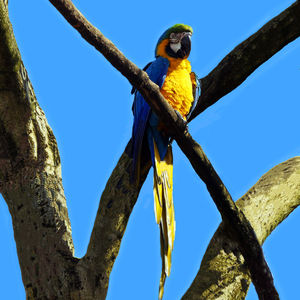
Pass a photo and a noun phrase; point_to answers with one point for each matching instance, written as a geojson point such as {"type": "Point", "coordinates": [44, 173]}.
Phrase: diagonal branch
{"type": "Point", "coordinates": [244, 59]}
{"type": "Point", "coordinates": [233, 70]}
{"type": "Point", "coordinates": [231, 215]}
{"type": "Point", "coordinates": [223, 274]}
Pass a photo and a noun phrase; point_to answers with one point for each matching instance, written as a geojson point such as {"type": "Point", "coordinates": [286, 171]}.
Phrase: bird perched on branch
{"type": "Point", "coordinates": [171, 71]}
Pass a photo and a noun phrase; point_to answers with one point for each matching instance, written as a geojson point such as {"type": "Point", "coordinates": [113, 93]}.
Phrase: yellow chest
{"type": "Point", "coordinates": [177, 88]}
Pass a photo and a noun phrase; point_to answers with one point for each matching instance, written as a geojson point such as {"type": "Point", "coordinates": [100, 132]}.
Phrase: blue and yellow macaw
{"type": "Point", "coordinates": [171, 71]}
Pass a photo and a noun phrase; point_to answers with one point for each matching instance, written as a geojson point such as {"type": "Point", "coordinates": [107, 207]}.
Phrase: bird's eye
{"type": "Point", "coordinates": [174, 39]}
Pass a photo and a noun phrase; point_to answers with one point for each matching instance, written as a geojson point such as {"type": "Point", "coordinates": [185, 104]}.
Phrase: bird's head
{"type": "Point", "coordinates": [175, 42]}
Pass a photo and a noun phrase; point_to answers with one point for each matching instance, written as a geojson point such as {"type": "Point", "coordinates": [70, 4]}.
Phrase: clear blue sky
{"type": "Point", "coordinates": [88, 106]}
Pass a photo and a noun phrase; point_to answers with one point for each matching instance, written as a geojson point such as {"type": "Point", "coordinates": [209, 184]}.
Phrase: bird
{"type": "Point", "coordinates": [171, 71]}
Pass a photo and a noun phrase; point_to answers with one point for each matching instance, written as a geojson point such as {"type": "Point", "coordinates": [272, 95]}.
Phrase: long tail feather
{"type": "Point", "coordinates": [164, 210]}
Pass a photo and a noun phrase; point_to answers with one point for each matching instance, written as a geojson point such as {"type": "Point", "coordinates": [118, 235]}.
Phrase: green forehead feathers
{"type": "Point", "coordinates": [175, 28]}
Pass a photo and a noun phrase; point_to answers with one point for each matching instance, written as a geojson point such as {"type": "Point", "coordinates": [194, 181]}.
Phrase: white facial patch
{"type": "Point", "coordinates": [175, 47]}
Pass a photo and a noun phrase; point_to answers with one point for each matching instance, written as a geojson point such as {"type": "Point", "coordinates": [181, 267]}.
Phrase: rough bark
{"type": "Point", "coordinates": [223, 273]}
{"type": "Point", "coordinates": [30, 176]}
{"type": "Point", "coordinates": [30, 181]}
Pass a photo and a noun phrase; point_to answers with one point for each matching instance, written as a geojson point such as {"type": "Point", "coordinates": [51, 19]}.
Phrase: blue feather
{"type": "Point", "coordinates": [157, 71]}
{"type": "Point", "coordinates": [197, 92]}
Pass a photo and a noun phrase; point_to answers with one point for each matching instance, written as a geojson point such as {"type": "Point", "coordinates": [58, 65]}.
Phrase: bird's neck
{"type": "Point", "coordinates": [178, 63]}
{"type": "Point", "coordinates": [174, 62]}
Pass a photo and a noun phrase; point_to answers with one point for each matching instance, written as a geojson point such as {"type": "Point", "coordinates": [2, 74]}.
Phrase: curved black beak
{"type": "Point", "coordinates": [186, 45]}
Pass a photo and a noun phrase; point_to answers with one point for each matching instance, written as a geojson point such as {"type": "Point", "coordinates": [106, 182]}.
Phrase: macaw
{"type": "Point", "coordinates": [171, 71]}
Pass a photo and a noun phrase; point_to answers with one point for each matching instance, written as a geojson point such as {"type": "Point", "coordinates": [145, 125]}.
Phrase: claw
{"type": "Point", "coordinates": [182, 121]}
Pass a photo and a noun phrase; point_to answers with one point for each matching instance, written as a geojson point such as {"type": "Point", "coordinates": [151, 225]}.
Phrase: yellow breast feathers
{"type": "Point", "coordinates": [178, 87]}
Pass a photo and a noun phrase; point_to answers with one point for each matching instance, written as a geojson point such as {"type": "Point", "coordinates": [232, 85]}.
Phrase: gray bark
{"type": "Point", "coordinates": [223, 273]}
{"type": "Point", "coordinates": [30, 177]}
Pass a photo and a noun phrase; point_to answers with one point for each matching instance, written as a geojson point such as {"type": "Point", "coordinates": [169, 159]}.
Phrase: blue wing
{"type": "Point", "coordinates": [157, 71]}
{"type": "Point", "coordinates": [196, 92]}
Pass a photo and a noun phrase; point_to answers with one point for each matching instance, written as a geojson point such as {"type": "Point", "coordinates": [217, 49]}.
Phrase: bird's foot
{"type": "Point", "coordinates": [182, 123]}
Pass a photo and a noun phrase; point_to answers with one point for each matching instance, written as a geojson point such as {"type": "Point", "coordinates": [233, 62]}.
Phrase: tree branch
{"type": "Point", "coordinates": [244, 59]}
{"type": "Point", "coordinates": [223, 273]}
{"type": "Point", "coordinates": [240, 227]}
{"type": "Point", "coordinates": [115, 207]}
